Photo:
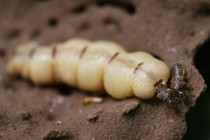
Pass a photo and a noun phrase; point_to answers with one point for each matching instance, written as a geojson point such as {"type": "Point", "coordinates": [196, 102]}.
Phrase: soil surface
{"type": "Point", "coordinates": [171, 30]}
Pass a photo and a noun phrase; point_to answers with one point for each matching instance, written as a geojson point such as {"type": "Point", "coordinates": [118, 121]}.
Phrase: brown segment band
{"type": "Point", "coordinates": [83, 52]}
{"type": "Point", "coordinates": [137, 67]}
{"type": "Point", "coordinates": [31, 52]}
{"type": "Point", "coordinates": [158, 82]}
{"type": "Point", "coordinates": [113, 57]}
{"type": "Point", "coordinates": [54, 51]}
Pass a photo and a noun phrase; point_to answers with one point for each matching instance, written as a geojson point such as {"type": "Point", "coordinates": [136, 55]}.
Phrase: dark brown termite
{"type": "Point", "coordinates": [178, 81]}
{"type": "Point", "coordinates": [175, 90]}
{"type": "Point", "coordinates": [164, 93]}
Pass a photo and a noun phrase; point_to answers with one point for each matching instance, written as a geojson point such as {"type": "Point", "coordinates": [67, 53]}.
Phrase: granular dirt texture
{"type": "Point", "coordinates": [170, 30]}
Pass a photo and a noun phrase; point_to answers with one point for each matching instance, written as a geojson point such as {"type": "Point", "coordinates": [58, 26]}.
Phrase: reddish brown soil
{"type": "Point", "coordinates": [171, 30]}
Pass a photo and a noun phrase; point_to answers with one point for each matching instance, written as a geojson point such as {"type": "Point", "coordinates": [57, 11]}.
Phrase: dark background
{"type": "Point", "coordinates": [198, 119]}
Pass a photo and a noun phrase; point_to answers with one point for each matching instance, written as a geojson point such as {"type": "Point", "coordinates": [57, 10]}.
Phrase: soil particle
{"type": "Point", "coordinates": [131, 107]}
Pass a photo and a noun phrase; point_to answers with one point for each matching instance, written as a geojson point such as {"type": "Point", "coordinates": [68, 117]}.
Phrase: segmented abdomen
{"type": "Point", "coordinates": [91, 66]}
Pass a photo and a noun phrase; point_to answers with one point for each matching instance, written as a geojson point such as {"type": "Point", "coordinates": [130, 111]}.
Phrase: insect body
{"type": "Point", "coordinates": [91, 66]}
{"type": "Point", "coordinates": [177, 79]}
{"type": "Point", "coordinates": [178, 82]}
{"type": "Point", "coordinates": [176, 89]}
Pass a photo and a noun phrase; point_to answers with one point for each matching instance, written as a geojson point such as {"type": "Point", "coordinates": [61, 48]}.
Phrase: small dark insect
{"type": "Point", "coordinates": [178, 81]}
{"type": "Point", "coordinates": [164, 93]}
{"type": "Point", "coordinates": [177, 78]}
{"type": "Point", "coordinates": [175, 90]}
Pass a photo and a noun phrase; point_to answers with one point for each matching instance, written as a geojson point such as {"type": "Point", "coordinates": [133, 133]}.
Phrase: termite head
{"type": "Point", "coordinates": [163, 92]}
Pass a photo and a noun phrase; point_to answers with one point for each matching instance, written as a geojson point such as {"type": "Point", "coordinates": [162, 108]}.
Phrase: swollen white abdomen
{"type": "Point", "coordinates": [91, 66]}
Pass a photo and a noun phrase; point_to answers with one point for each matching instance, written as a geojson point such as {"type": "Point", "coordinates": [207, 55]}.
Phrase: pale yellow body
{"type": "Point", "coordinates": [91, 66]}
